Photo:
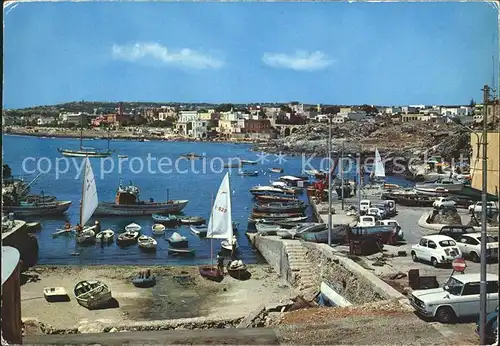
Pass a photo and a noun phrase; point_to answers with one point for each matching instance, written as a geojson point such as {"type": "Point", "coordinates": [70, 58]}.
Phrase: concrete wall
{"type": "Point", "coordinates": [274, 251]}
{"type": "Point", "coordinates": [476, 163]}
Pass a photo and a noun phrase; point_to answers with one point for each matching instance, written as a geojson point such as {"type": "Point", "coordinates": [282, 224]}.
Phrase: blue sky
{"type": "Point", "coordinates": [336, 53]}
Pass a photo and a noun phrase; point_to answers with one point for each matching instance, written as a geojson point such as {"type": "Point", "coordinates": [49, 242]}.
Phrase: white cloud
{"type": "Point", "coordinates": [300, 61]}
{"type": "Point", "coordinates": [183, 57]}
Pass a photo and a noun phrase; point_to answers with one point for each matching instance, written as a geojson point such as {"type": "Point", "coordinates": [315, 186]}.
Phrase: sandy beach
{"type": "Point", "coordinates": [168, 300]}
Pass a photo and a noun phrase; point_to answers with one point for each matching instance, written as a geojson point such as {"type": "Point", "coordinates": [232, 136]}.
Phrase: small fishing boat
{"type": "Point", "coordinates": [276, 170]}
{"type": "Point", "coordinates": [192, 220]}
{"type": "Point", "coordinates": [191, 156]}
{"type": "Point", "coordinates": [105, 237]}
{"type": "Point", "coordinates": [55, 294]}
{"type": "Point", "coordinates": [147, 243]}
{"type": "Point", "coordinates": [33, 226]}
{"type": "Point", "coordinates": [158, 229]}
{"type": "Point", "coordinates": [280, 208]}
{"type": "Point", "coordinates": [133, 227]}
{"type": "Point", "coordinates": [181, 252]}
{"type": "Point", "coordinates": [165, 218]}
{"type": "Point", "coordinates": [285, 234]}
{"type": "Point", "coordinates": [178, 241]}
{"type": "Point", "coordinates": [266, 228]}
{"type": "Point", "coordinates": [122, 156]}
{"type": "Point", "coordinates": [86, 237]}
{"type": "Point", "coordinates": [211, 273]}
{"type": "Point", "coordinates": [249, 173]}
{"type": "Point", "coordinates": [200, 231]}
{"type": "Point", "coordinates": [237, 269]}
{"type": "Point", "coordinates": [127, 238]}
{"type": "Point", "coordinates": [275, 198]}
{"type": "Point", "coordinates": [228, 244]}
{"type": "Point", "coordinates": [249, 162]}
{"type": "Point", "coordinates": [92, 294]}
{"type": "Point", "coordinates": [142, 280]}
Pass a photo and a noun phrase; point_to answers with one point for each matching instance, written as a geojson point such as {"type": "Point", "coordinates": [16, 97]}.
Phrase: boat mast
{"type": "Point", "coordinates": [109, 137]}
{"type": "Point", "coordinates": [81, 131]}
{"type": "Point", "coordinates": [212, 238]}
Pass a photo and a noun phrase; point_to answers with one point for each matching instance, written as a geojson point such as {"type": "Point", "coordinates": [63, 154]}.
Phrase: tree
{"type": "Point", "coordinates": [330, 109]}
{"type": "Point", "coordinates": [225, 107]}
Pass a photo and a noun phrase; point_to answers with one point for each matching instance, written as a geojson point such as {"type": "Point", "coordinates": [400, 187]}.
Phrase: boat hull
{"type": "Point", "coordinates": [211, 273]}
{"type": "Point", "coordinates": [43, 210]}
{"type": "Point", "coordinates": [111, 209]}
{"type": "Point", "coordinates": [83, 153]}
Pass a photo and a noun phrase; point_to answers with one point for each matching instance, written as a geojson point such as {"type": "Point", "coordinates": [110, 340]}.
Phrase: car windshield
{"type": "Point", "coordinates": [446, 243]}
{"type": "Point", "coordinates": [453, 286]}
{"type": "Point", "coordinates": [392, 223]}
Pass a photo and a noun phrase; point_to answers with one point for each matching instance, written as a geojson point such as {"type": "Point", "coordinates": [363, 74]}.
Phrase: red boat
{"type": "Point", "coordinates": [211, 273]}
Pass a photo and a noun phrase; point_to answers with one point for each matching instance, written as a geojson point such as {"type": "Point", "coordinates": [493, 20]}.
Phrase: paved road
{"type": "Point", "coordinates": [232, 336]}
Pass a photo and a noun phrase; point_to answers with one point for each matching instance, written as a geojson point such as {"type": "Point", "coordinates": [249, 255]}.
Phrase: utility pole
{"type": "Point", "coordinates": [342, 172]}
{"type": "Point", "coordinates": [483, 289]}
{"type": "Point", "coordinates": [330, 180]}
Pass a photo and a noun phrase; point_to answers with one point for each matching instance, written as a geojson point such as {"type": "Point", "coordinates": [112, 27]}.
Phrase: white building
{"type": "Point", "coordinates": [44, 121]}
{"type": "Point", "coordinates": [358, 115]}
{"type": "Point", "coordinates": [73, 118]}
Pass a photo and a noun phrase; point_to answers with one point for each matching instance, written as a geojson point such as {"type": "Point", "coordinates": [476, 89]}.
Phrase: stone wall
{"type": "Point", "coordinates": [27, 245]}
{"type": "Point", "coordinates": [274, 251]}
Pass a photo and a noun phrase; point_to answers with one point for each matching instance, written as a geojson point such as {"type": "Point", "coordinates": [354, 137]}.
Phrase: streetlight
{"type": "Point", "coordinates": [330, 180]}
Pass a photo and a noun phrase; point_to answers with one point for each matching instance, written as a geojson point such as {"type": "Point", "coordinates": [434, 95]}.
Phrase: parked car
{"type": "Point", "coordinates": [384, 211]}
{"type": "Point", "coordinates": [374, 212]}
{"type": "Point", "coordinates": [491, 326]}
{"type": "Point", "coordinates": [470, 245]}
{"type": "Point", "coordinates": [491, 207]}
{"type": "Point", "coordinates": [456, 231]}
{"type": "Point", "coordinates": [444, 202]}
{"type": "Point", "coordinates": [459, 297]}
{"type": "Point", "coordinates": [364, 204]}
{"type": "Point", "coordinates": [436, 249]}
{"type": "Point", "coordinates": [395, 224]}
{"type": "Point", "coordinates": [366, 221]}
{"type": "Point", "coordinates": [391, 207]}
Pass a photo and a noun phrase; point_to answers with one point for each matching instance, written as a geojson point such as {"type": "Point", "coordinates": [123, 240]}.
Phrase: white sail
{"type": "Point", "coordinates": [379, 170]}
{"type": "Point", "coordinates": [89, 194]}
{"type": "Point", "coordinates": [220, 224]}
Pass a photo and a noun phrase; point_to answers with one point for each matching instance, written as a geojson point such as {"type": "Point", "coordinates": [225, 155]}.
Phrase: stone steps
{"type": "Point", "coordinates": [297, 260]}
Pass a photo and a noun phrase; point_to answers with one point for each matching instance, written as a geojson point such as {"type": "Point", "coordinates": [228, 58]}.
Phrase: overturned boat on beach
{"type": "Point", "coordinates": [127, 203]}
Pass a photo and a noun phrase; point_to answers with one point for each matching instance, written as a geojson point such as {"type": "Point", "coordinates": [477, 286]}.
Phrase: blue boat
{"type": "Point", "coordinates": [143, 280]}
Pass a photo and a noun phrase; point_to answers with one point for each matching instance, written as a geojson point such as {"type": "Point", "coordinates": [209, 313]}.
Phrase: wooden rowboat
{"type": "Point", "coordinates": [181, 252]}
{"type": "Point", "coordinates": [211, 273]}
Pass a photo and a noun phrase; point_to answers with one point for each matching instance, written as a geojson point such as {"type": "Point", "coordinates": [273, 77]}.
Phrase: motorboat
{"type": "Point", "coordinates": [133, 227]}
{"type": "Point", "coordinates": [177, 241]}
{"type": "Point", "coordinates": [447, 184]}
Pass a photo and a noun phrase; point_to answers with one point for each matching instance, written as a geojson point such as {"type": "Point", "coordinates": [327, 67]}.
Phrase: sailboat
{"type": "Point", "coordinates": [378, 172]}
{"type": "Point", "coordinates": [220, 225]}
{"type": "Point", "coordinates": [88, 204]}
{"type": "Point", "coordinates": [85, 151]}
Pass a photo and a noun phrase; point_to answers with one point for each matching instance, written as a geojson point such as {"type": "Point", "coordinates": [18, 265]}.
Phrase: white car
{"type": "Point", "coordinates": [470, 245]}
{"type": "Point", "coordinates": [375, 212]}
{"type": "Point", "coordinates": [443, 202]}
{"type": "Point", "coordinates": [364, 204]}
{"type": "Point", "coordinates": [366, 221]}
{"type": "Point", "coordinates": [459, 297]}
{"type": "Point", "coordinates": [478, 207]}
{"type": "Point", "coordinates": [436, 249]}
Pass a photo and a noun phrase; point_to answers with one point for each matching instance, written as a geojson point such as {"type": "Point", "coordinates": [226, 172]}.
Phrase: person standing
{"type": "Point", "coordinates": [97, 227]}
{"type": "Point", "coordinates": [220, 262]}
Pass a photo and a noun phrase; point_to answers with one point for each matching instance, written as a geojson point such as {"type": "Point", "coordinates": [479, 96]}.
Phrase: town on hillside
{"type": "Point", "coordinates": [233, 122]}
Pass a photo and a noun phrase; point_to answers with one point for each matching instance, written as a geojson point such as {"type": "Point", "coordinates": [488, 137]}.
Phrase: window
{"type": "Point", "coordinates": [423, 242]}
{"type": "Point", "coordinates": [431, 244]}
{"type": "Point", "coordinates": [472, 241]}
{"type": "Point", "coordinates": [492, 287]}
{"type": "Point", "coordinates": [471, 288]}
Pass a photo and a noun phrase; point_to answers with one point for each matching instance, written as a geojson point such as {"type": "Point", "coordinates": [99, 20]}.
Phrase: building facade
{"type": "Point", "coordinates": [493, 161]}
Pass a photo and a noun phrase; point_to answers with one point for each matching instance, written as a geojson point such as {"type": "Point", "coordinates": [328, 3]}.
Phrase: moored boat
{"type": "Point", "coordinates": [127, 238]}
{"type": "Point", "coordinates": [133, 227]}
{"type": "Point", "coordinates": [181, 252]}
{"type": "Point", "coordinates": [276, 170]}
{"type": "Point", "coordinates": [249, 162]}
{"type": "Point", "coordinates": [37, 209]}
{"type": "Point", "coordinates": [191, 156]}
{"type": "Point", "coordinates": [280, 208]}
{"type": "Point", "coordinates": [200, 231]}
{"type": "Point", "coordinates": [275, 198]}
{"type": "Point", "coordinates": [33, 226]}
{"type": "Point", "coordinates": [127, 203]}
{"type": "Point", "coordinates": [158, 229]}
{"type": "Point", "coordinates": [192, 220]}
{"type": "Point", "coordinates": [165, 219]}
{"type": "Point", "coordinates": [92, 294]}
{"type": "Point", "coordinates": [86, 237]}
{"type": "Point", "coordinates": [177, 241]}
{"type": "Point", "coordinates": [447, 184]}
{"type": "Point", "coordinates": [249, 173]}
{"type": "Point", "coordinates": [147, 243]}
{"type": "Point", "coordinates": [105, 237]}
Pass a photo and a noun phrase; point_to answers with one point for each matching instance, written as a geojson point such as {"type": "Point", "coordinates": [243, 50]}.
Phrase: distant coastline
{"type": "Point", "coordinates": [114, 135]}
